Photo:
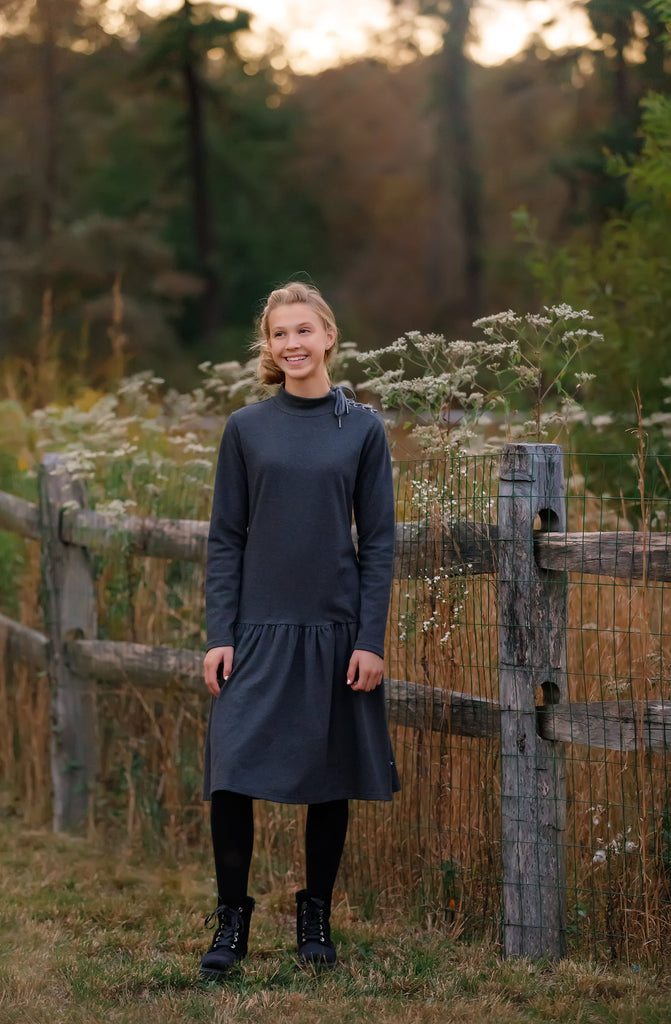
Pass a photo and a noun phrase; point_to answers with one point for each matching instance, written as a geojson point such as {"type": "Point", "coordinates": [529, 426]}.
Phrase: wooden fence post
{"type": "Point", "coordinates": [70, 613]}
{"type": "Point", "coordinates": [532, 616]}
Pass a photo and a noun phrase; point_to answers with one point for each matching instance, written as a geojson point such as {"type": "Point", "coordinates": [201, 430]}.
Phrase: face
{"type": "Point", "coordinates": [298, 342]}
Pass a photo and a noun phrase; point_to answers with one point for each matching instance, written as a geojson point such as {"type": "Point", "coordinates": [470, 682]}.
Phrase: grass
{"type": "Point", "coordinates": [89, 933]}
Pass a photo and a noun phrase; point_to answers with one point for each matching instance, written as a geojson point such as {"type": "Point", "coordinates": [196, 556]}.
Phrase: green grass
{"type": "Point", "coordinates": [92, 933]}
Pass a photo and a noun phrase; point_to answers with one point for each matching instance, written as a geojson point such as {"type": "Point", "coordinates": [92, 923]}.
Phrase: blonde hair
{"type": "Point", "coordinates": [293, 292]}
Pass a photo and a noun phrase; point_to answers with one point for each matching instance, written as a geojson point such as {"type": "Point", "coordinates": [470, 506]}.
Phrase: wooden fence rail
{"type": "Point", "coordinates": [470, 546]}
{"type": "Point", "coordinates": [532, 566]}
{"type": "Point", "coordinates": [625, 725]}
{"type": "Point", "coordinates": [19, 516]}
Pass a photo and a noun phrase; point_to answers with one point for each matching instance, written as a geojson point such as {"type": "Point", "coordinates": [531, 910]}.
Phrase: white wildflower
{"type": "Point", "coordinates": [506, 319]}
{"type": "Point", "coordinates": [565, 312]}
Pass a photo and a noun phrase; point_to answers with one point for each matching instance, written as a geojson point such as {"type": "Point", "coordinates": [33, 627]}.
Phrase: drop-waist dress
{"type": "Point", "coordinates": [287, 588]}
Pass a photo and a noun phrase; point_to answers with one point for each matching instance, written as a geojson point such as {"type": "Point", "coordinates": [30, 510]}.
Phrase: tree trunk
{"type": "Point", "coordinates": [49, 183]}
{"type": "Point", "coordinates": [203, 235]}
{"type": "Point", "coordinates": [457, 142]}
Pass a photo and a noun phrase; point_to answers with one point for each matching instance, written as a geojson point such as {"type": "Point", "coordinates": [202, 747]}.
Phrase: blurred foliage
{"type": "Point", "coordinates": [628, 60]}
{"type": "Point", "coordinates": [623, 277]}
{"type": "Point", "coordinates": [345, 176]}
{"type": "Point", "coordinates": [122, 209]}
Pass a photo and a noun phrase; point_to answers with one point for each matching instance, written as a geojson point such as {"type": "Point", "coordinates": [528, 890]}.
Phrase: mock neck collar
{"type": "Point", "coordinates": [334, 402]}
{"type": "Point", "coordinates": [300, 406]}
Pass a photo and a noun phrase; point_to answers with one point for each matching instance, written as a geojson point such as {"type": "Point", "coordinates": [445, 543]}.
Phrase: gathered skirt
{"type": "Point", "coordinates": [286, 726]}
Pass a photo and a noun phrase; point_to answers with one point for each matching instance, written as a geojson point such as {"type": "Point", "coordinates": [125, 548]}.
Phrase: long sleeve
{"type": "Point", "coordinates": [226, 540]}
{"type": "Point", "coordinates": [374, 517]}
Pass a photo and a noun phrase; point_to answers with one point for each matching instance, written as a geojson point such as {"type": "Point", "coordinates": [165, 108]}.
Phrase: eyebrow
{"type": "Point", "coordinates": [303, 323]}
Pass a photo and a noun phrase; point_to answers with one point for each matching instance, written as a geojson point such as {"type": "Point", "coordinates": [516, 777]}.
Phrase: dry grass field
{"type": "Point", "coordinates": [91, 934]}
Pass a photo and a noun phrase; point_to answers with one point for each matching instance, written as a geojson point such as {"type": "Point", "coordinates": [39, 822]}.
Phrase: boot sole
{"type": "Point", "coordinates": [212, 974]}
{"type": "Point", "coordinates": [319, 962]}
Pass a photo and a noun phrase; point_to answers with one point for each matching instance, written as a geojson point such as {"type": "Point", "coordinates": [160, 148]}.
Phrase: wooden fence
{"type": "Point", "coordinates": [530, 551]}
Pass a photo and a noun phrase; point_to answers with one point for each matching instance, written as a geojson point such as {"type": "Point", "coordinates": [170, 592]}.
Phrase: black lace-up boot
{"type": "Point", "coordinates": [229, 942]}
{"type": "Point", "coordinates": [313, 930]}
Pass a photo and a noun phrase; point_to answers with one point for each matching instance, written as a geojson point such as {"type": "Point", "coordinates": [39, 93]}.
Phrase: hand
{"type": "Point", "coordinates": [213, 659]}
{"type": "Point", "coordinates": [370, 668]}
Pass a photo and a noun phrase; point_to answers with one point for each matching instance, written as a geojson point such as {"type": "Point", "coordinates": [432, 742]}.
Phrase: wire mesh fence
{"type": "Point", "coordinates": [618, 643]}
{"type": "Point", "coordinates": [440, 840]}
{"type": "Point", "coordinates": [437, 848]}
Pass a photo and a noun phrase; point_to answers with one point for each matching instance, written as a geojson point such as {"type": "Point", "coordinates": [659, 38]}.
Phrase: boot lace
{"type": "Point", "coordinates": [314, 926]}
{"type": "Point", "coordinates": [228, 930]}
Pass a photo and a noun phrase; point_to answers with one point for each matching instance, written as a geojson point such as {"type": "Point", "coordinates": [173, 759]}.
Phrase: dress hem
{"type": "Point", "coordinates": [313, 799]}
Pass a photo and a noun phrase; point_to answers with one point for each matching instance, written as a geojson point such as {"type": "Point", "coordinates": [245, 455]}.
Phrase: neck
{"type": "Point", "coordinates": [308, 388]}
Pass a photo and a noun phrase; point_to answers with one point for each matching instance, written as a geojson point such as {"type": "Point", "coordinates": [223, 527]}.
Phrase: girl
{"type": "Point", "coordinates": [295, 620]}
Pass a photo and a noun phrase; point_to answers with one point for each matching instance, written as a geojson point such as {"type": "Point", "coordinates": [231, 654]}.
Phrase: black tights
{"type": "Point", "coordinates": [232, 821]}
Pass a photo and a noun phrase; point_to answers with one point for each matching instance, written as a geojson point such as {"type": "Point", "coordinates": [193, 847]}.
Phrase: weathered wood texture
{"type": "Point", "coordinates": [179, 539]}
{"type": "Point", "coordinates": [532, 614]}
{"type": "Point", "coordinates": [21, 643]}
{"type": "Point", "coordinates": [118, 662]}
{"type": "Point", "coordinates": [19, 516]}
{"type": "Point", "coordinates": [634, 556]}
{"type": "Point", "coordinates": [606, 725]}
{"type": "Point", "coordinates": [609, 724]}
{"type": "Point", "coordinates": [432, 709]}
{"type": "Point", "coordinates": [423, 549]}
{"type": "Point", "coordinates": [70, 611]}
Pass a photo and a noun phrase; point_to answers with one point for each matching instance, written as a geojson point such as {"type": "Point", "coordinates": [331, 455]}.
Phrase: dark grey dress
{"type": "Point", "coordinates": [287, 588]}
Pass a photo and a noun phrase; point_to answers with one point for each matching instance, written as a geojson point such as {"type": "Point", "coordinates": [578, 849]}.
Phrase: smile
{"type": "Point", "coordinates": [295, 359]}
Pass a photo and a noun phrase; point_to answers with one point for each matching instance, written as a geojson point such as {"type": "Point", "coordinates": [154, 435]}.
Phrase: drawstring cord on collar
{"type": "Point", "coordinates": [341, 407]}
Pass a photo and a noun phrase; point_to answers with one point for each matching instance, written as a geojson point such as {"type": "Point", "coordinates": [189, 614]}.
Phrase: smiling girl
{"type": "Point", "coordinates": [296, 619]}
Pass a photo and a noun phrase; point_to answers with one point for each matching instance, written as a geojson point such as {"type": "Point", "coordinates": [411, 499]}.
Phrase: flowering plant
{"type": "Point", "coordinates": [454, 386]}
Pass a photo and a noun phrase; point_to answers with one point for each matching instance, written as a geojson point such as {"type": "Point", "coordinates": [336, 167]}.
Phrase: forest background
{"type": "Point", "coordinates": [156, 181]}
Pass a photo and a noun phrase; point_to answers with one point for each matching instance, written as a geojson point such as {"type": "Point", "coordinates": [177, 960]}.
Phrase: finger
{"type": "Point", "coordinates": [210, 673]}
{"type": "Point", "coordinates": [362, 682]}
{"type": "Point", "coordinates": [361, 675]}
{"type": "Point", "coordinates": [227, 663]}
{"type": "Point", "coordinates": [352, 669]}
{"type": "Point", "coordinates": [368, 680]}
{"type": "Point", "coordinates": [213, 686]}
{"type": "Point", "coordinates": [212, 682]}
